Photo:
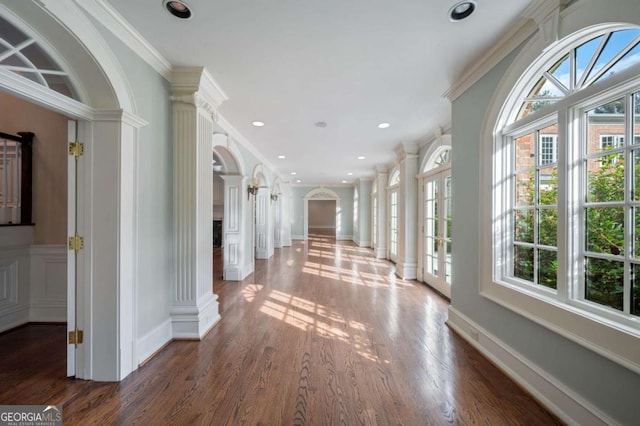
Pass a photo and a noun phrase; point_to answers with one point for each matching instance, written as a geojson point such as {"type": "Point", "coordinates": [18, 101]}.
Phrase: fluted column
{"type": "Point", "coordinates": [407, 266]}
{"type": "Point", "coordinates": [195, 307]}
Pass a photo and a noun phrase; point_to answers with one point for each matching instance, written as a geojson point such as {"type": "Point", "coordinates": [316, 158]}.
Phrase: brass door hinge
{"type": "Point", "coordinates": [76, 243]}
{"type": "Point", "coordinates": [76, 149]}
{"type": "Point", "coordinates": [76, 337]}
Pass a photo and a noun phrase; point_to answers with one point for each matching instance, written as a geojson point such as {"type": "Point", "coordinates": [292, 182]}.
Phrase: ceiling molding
{"type": "Point", "coordinates": [104, 13]}
{"type": "Point", "coordinates": [195, 85]}
{"type": "Point", "coordinates": [507, 43]}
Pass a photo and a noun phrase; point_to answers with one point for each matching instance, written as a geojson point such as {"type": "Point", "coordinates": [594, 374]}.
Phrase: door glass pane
{"type": "Point", "coordinates": [447, 263]}
{"type": "Point", "coordinates": [604, 282]}
{"type": "Point", "coordinates": [606, 126]}
{"type": "Point", "coordinates": [548, 186]}
{"type": "Point", "coordinates": [525, 151]}
{"type": "Point", "coordinates": [524, 189]}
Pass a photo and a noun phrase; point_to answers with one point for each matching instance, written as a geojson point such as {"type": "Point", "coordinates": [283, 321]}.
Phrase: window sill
{"type": "Point", "coordinates": [614, 341]}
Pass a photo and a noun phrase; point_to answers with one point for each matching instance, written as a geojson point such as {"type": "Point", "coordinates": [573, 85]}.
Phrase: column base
{"type": "Point", "coordinates": [193, 322]}
{"type": "Point", "coordinates": [407, 270]}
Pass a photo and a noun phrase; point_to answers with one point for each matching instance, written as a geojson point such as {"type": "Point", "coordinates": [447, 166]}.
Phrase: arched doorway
{"type": "Point", "coordinates": [434, 263]}
{"type": "Point", "coordinates": [321, 194]}
{"type": "Point", "coordinates": [103, 272]}
{"type": "Point", "coordinates": [229, 208]}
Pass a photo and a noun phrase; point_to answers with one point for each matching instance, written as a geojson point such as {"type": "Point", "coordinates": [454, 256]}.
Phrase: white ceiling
{"type": "Point", "coordinates": [349, 63]}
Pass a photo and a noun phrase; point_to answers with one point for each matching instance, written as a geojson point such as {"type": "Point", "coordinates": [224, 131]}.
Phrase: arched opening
{"type": "Point", "coordinates": [229, 207]}
{"type": "Point", "coordinates": [434, 211]}
{"type": "Point", "coordinates": [327, 202]}
{"type": "Point", "coordinates": [82, 89]}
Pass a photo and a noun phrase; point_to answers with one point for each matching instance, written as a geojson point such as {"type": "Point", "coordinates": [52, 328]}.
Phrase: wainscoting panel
{"type": "Point", "coordinates": [48, 283]}
{"type": "Point", "coordinates": [14, 276]}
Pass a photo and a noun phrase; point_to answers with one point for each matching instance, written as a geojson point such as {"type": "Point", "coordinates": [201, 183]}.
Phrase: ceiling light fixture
{"type": "Point", "coordinates": [344, 181]}
{"type": "Point", "coordinates": [462, 10]}
{"type": "Point", "coordinates": [257, 123]}
{"type": "Point", "coordinates": [349, 174]}
{"type": "Point", "coordinates": [282, 157]}
{"type": "Point", "coordinates": [320, 124]}
{"type": "Point", "coordinates": [383, 125]}
{"type": "Point", "coordinates": [177, 8]}
{"type": "Point", "coordinates": [298, 181]}
{"type": "Point", "coordinates": [293, 173]}
{"type": "Point", "coordinates": [362, 157]}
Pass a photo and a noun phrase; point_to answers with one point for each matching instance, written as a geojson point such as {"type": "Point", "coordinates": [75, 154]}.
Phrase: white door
{"type": "Point", "coordinates": [262, 228]}
{"type": "Point", "coordinates": [437, 232]}
{"type": "Point", "coordinates": [72, 256]}
{"type": "Point", "coordinates": [393, 225]}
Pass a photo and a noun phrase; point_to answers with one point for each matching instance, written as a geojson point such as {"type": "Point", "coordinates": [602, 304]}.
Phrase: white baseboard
{"type": "Point", "coordinates": [363, 243]}
{"type": "Point", "coordinates": [151, 342]}
{"type": "Point", "coordinates": [322, 227]}
{"type": "Point", "coordinates": [48, 311]}
{"type": "Point", "coordinates": [345, 237]}
{"type": "Point", "coordinates": [554, 395]}
{"type": "Point", "coordinates": [297, 237]}
{"type": "Point", "coordinates": [13, 316]}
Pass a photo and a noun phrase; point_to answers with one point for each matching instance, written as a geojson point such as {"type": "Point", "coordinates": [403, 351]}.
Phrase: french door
{"type": "Point", "coordinates": [393, 225]}
{"type": "Point", "coordinates": [437, 232]}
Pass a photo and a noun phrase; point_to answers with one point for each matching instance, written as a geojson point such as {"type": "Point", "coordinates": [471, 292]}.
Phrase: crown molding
{"type": "Point", "coordinates": [505, 45]}
{"type": "Point", "coordinates": [119, 115]}
{"type": "Point", "coordinates": [104, 13]}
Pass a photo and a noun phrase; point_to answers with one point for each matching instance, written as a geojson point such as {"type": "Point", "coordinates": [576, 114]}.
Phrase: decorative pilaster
{"type": "Point", "coordinates": [407, 266]}
{"type": "Point", "coordinates": [382, 178]}
{"type": "Point", "coordinates": [195, 100]}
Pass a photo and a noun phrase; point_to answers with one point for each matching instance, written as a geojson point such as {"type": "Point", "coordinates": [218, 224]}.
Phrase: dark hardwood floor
{"type": "Point", "coordinates": [321, 334]}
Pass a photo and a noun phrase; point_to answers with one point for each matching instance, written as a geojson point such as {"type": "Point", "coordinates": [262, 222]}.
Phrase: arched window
{"type": "Point", "coordinates": [394, 179]}
{"type": "Point", "coordinates": [566, 216]}
{"type": "Point", "coordinates": [23, 55]}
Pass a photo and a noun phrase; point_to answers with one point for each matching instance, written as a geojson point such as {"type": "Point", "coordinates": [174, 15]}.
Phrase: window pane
{"type": "Point", "coordinates": [524, 189]}
{"type": "Point", "coordinates": [39, 58]}
{"type": "Point", "coordinates": [636, 175]}
{"type": "Point", "coordinates": [635, 290]}
{"type": "Point", "coordinates": [636, 119]}
{"type": "Point", "coordinates": [523, 226]}
{"type": "Point", "coordinates": [548, 227]}
{"type": "Point", "coordinates": [523, 263]}
{"type": "Point", "coordinates": [605, 178]}
{"type": "Point", "coordinates": [636, 232]}
{"type": "Point", "coordinates": [617, 42]}
{"type": "Point", "coordinates": [604, 282]}
{"type": "Point", "coordinates": [10, 33]}
{"type": "Point", "coordinates": [529, 107]}
{"type": "Point", "coordinates": [547, 268]}
{"type": "Point", "coordinates": [561, 71]}
{"type": "Point", "coordinates": [631, 58]}
{"type": "Point", "coordinates": [525, 151]}
{"type": "Point", "coordinates": [548, 186]}
{"type": "Point", "coordinates": [606, 120]}
{"type": "Point", "coordinates": [605, 230]}
{"type": "Point", "coordinates": [545, 89]}
{"type": "Point", "coordinates": [584, 54]}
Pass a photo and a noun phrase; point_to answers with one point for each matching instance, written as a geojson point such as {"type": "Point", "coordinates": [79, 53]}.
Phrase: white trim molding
{"type": "Point", "coordinates": [104, 13]}
{"type": "Point", "coordinates": [149, 344]}
{"type": "Point", "coordinates": [322, 193]}
{"type": "Point", "coordinates": [559, 399]}
{"type": "Point", "coordinates": [48, 283]}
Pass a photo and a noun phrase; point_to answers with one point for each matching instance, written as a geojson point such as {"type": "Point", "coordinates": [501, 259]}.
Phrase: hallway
{"type": "Point", "coordinates": [322, 333]}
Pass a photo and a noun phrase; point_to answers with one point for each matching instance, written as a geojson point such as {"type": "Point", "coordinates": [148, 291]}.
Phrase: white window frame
{"type": "Point", "coordinates": [594, 326]}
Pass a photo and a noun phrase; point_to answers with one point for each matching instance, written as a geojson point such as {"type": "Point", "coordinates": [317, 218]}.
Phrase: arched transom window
{"type": "Point", "coordinates": [566, 216]}
{"type": "Point", "coordinates": [21, 54]}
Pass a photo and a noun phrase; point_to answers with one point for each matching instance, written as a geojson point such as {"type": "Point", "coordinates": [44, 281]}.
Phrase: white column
{"type": "Point", "coordinates": [364, 212]}
{"type": "Point", "coordinates": [195, 99]}
{"type": "Point", "coordinates": [235, 195]}
{"type": "Point", "coordinates": [407, 266]}
{"type": "Point", "coordinates": [277, 222]}
{"type": "Point", "coordinates": [382, 182]}
{"type": "Point", "coordinates": [285, 213]}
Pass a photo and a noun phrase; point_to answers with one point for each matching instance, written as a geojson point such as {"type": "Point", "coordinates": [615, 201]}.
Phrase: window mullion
{"type": "Point", "coordinates": [564, 245]}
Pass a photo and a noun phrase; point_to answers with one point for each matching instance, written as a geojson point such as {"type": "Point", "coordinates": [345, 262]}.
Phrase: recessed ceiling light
{"type": "Point", "coordinates": [258, 123]}
{"type": "Point", "coordinates": [298, 181]}
{"type": "Point", "coordinates": [344, 181]}
{"type": "Point", "coordinates": [362, 157]}
{"type": "Point", "coordinates": [462, 10]}
{"type": "Point", "coordinates": [178, 8]}
{"type": "Point", "coordinates": [383, 125]}
{"type": "Point", "coordinates": [320, 124]}
{"type": "Point", "coordinates": [349, 174]}
{"type": "Point", "coordinates": [282, 157]}
{"type": "Point", "coordinates": [293, 173]}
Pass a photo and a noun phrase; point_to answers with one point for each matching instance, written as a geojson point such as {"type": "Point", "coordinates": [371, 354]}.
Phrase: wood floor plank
{"type": "Point", "coordinates": [320, 334]}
